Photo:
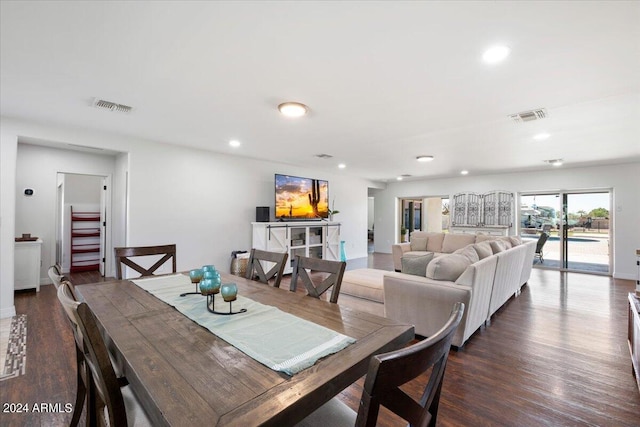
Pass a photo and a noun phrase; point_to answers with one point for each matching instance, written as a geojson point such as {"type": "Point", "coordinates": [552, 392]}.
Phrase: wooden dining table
{"type": "Point", "coordinates": [183, 374]}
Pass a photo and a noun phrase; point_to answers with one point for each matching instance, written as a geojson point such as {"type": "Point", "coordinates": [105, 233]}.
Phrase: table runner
{"type": "Point", "coordinates": [278, 340]}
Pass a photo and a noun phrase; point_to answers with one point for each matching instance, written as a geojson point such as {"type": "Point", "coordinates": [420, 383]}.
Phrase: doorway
{"type": "Point", "coordinates": [577, 227]}
{"type": "Point", "coordinates": [81, 222]}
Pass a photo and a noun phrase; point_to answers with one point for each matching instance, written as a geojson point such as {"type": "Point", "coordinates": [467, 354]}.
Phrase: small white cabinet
{"type": "Point", "coordinates": [27, 265]}
{"type": "Point", "coordinates": [309, 239]}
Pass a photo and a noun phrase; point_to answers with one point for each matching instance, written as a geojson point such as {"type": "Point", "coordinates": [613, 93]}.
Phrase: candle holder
{"type": "Point", "coordinates": [229, 293]}
{"type": "Point", "coordinates": [196, 276]}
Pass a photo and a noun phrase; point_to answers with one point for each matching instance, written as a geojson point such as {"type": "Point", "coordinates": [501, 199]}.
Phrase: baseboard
{"type": "Point", "coordinates": [624, 276]}
{"type": "Point", "coordinates": [8, 312]}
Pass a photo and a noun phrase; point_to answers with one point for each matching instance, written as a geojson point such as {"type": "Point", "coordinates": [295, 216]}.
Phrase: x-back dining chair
{"type": "Point", "coordinates": [387, 372]}
{"type": "Point", "coordinates": [55, 275]}
{"type": "Point", "coordinates": [109, 400]}
{"type": "Point", "coordinates": [255, 270]}
{"type": "Point", "coordinates": [124, 255]}
{"type": "Point", "coordinates": [316, 285]}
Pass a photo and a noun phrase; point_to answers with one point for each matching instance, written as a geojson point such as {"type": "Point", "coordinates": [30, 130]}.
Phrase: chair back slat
{"type": "Point", "coordinates": [123, 255]}
{"type": "Point", "coordinates": [315, 288]}
{"type": "Point", "coordinates": [255, 269]}
{"type": "Point", "coordinates": [388, 371]}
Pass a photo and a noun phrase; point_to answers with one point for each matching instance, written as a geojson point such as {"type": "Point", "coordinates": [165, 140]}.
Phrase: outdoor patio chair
{"type": "Point", "coordinates": [541, 241]}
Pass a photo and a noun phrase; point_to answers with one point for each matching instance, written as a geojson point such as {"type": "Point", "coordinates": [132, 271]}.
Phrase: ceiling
{"type": "Point", "coordinates": [384, 81]}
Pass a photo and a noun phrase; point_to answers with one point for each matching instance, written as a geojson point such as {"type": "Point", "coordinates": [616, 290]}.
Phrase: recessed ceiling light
{"type": "Point", "coordinates": [465, 172]}
{"type": "Point", "coordinates": [399, 178]}
{"type": "Point", "coordinates": [342, 166]}
{"type": "Point", "coordinates": [541, 136]}
{"type": "Point", "coordinates": [293, 109]}
{"type": "Point", "coordinates": [554, 162]}
{"type": "Point", "coordinates": [424, 158]}
{"type": "Point", "coordinates": [234, 143]}
{"type": "Point", "coordinates": [495, 54]}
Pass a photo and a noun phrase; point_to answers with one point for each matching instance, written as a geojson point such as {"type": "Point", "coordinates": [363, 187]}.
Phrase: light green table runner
{"type": "Point", "coordinates": [279, 340]}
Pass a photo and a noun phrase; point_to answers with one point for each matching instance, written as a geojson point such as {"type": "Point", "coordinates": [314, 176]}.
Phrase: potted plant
{"type": "Point", "coordinates": [333, 210]}
{"type": "Point", "coordinates": [403, 233]}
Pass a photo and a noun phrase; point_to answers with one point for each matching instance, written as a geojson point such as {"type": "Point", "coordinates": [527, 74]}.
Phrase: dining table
{"type": "Point", "coordinates": [184, 374]}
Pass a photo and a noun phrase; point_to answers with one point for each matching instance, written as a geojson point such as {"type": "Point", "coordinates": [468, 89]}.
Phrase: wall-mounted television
{"type": "Point", "coordinates": [301, 198]}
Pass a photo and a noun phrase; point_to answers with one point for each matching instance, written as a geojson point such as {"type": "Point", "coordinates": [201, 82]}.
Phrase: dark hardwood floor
{"type": "Point", "coordinates": [555, 356]}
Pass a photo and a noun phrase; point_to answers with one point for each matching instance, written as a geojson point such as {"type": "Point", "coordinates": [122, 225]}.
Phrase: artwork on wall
{"type": "Point", "coordinates": [494, 208]}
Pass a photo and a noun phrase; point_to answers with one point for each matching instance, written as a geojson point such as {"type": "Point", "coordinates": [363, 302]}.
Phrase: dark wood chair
{"type": "Point", "coordinates": [387, 372]}
{"type": "Point", "coordinates": [539, 245]}
{"type": "Point", "coordinates": [316, 284]}
{"type": "Point", "coordinates": [124, 254]}
{"type": "Point", "coordinates": [109, 403]}
{"type": "Point", "coordinates": [68, 300]}
{"type": "Point", "coordinates": [255, 270]}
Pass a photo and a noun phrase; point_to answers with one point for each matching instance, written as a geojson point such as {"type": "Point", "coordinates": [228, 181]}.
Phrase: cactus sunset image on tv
{"type": "Point", "coordinates": [301, 198]}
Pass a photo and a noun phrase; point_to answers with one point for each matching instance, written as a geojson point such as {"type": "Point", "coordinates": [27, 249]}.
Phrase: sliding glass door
{"type": "Point", "coordinates": [576, 227]}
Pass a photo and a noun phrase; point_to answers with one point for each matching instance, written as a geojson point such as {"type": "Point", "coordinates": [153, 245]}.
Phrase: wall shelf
{"type": "Point", "coordinates": [85, 241]}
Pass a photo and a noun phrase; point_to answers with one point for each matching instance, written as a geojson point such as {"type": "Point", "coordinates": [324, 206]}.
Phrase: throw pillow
{"type": "Point", "coordinates": [515, 240]}
{"type": "Point", "coordinates": [447, 267]}
{"type": "Point", "coordinates": [484, 237]}
{"type": "Point", "coordinates": [497, 246]}
{"type": "Point", "coordinates": [419, 243]}
{"type": "Point", "coordinates": [434, 244]}
{"type": "Point", "coordinates": [483, 249]}
{"type": "Point", "coordinates": [469, 252]}
{"type": "Point", "coordinates": [507, 242]}
{"type": "Point", "coordinates": [453, 242]}
{"type": "Point", "coordinates": [416, 265]}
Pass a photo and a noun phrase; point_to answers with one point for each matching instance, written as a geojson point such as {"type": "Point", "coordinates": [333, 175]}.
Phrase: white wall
{"type": "Point", "coordinates": [37, 168]}
{"type": "Point", "coordinates": [623, 179]}
{"type": "Point", "coordinates": [202, 201]}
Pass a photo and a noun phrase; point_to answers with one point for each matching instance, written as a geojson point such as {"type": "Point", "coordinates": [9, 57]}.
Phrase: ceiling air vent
{"type": "Point", "coordinates": [323, 156]}
{"type": "Point", "coordinates": [528, 116]}
{"type": "Point", "coordinates": [111, 106]}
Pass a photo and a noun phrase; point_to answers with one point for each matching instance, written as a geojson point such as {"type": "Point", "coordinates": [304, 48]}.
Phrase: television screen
{"type": "Point", "coordinates": [301, 198]}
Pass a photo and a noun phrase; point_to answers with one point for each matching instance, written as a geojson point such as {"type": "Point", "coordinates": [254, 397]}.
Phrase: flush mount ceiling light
{"type": "Point", "coordinates": [465, 172]}
{"type": "Point", "coordinates": [424, 158]}
{"type": "Point", "coordinates": [234, 143]}
{"type": "Point", "coordinates": [342, 166]}
{"type": "Point", "coordinates": [541, 136]}
{"type": "Point", "coordinates": [495, 54]}
{"type": "Point", "coordinates": [293, 109]}
{"type": "Point", "coordinates": [554, 162]}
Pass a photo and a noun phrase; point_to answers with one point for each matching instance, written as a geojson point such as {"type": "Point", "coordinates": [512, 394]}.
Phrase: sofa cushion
{"type": "Point", "coordinates": [434, 244]}
{"type": "Point", "coordinates": [453, 242]}
{"type": "Point", "coordinates": [447, 267]}
{"type": "Point", "coordinates": [483, 249]}
{"type": "Point", "coordinates": [515, 240]}
{"type": "Point", "coordinates": [497, 246]}
{"type": "Point", "coordinates": [469, 252]}
{"type": "Point", "coordinates": [507, 241]}
{"type": "Point", "coordinates": [416, 265]}
{"type": "Point", "coordinates": [418, 243]}
{"type": "Point", "coordinates": [485, 237]}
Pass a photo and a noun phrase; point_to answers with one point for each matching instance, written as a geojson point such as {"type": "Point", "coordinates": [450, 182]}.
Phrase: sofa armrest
{"type": "Point", "coordinates": [425, 303]}
{"type": "Point", "coordinates": [398, 250]}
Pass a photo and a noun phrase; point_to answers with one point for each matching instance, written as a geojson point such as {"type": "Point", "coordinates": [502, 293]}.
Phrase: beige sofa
{"type": "Point", "coordinates": [484, 285]}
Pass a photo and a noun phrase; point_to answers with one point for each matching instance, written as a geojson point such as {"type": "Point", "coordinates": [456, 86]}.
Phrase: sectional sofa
{"type": "Point", "coordinates": [481, 271]}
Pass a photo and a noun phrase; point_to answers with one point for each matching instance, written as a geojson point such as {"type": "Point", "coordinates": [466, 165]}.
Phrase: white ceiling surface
{"type": "Point", "coordinates": [384, 81]}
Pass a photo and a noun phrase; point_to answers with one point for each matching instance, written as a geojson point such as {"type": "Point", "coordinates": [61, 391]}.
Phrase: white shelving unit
{"type": "Point", "coordinates": [314, 239]}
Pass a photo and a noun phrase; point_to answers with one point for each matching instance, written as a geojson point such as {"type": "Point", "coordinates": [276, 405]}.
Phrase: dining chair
{"type": "Point", "coordinates": [123, 255]}
{"type": "Point", "coordinates": [68, 300]}
{"type": "Point", "coordinates": [317, 284]}
{"type": "Point", "coordinates": [109, 403]}
{"type": "Point", "coordinates": [55, 275]}
{"type": "Point", "coordinates": [387, 372]}
{"type": "Point", "coordinates": [255, 270]}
